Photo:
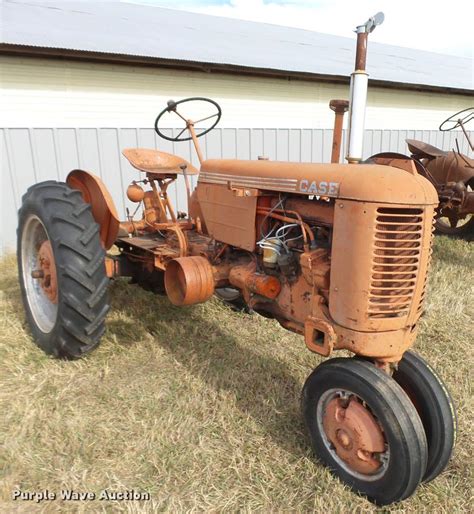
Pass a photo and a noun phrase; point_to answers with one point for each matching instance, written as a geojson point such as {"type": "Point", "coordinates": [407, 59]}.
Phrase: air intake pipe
{"type": "Point", "coordinates": [358, 91]}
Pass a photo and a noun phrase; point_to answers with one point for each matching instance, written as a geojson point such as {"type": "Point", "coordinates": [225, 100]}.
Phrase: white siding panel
{"type": "Point", "coordinates": [30, 155]}
{"type": "Point", "coordinates": [61, 93]}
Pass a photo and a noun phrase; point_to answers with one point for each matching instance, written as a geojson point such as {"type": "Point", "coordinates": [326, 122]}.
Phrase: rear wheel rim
{"type": "Point", "coordinates": [37, 256]}
{"type": "Point", "coordinates": [446, 224]}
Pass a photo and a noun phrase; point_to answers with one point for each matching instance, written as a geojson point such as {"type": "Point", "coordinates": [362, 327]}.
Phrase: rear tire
{"type": "Point", "coordinates": [464, 226]}
{"type": "Point", "coordinates": [435, 407]}
{"type": "Point", "coordinates": [72, 323]}
{"type": "Point", "coordinates": [401, 455]}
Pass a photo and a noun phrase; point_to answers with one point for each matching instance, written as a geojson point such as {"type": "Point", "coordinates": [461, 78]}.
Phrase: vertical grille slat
{"type": "Point", "coordinates": [395, 261]}
{"type": "Point", "coordinates": [425, 282]}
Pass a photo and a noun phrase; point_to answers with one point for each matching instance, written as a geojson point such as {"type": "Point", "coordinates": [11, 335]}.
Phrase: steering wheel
{"type": "Point", "coordinates": [456, 120]}
{"type": "Point", "coordinates": [172, 107]}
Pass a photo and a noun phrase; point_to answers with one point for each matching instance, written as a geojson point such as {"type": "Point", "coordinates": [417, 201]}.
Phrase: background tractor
{"type": "Point", "coordinates": [338, 253]}
{"type": "Point", "coordinates": [452, 175]}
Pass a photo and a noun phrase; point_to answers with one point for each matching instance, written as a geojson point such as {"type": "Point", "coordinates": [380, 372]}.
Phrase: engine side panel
{"type": "Point", "coordinates": [227, 217]}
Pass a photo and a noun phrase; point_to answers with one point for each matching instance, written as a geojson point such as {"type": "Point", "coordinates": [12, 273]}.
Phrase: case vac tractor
{"type": "Point", "coordinates": [338, 253]}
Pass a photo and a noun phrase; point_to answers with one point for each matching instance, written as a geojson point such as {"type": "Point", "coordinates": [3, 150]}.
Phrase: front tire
{"type": "Point", "coordinates": [61, 270]}
{"type": "Point", "coordinates": [363, 426]}
{"type": "Point", "coordinates": [435, 407]}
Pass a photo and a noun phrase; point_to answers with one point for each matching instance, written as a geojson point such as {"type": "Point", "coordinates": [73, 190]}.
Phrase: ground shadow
{"type": "Point", "coordinates": [445, 251]}
{"type": "Point", "coordinates": [262, 385]}
{"type": "Point", "coordinates": [10, 287]}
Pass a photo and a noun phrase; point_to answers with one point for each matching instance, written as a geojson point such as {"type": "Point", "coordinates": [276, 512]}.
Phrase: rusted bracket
{"type": "Point", "coordinates": [243, 191]}
{"type": "Point", "coordinates": [319, 336]}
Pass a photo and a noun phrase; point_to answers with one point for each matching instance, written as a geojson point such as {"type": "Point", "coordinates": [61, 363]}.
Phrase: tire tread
{"type": "Point", "coordinates": [83, 301]}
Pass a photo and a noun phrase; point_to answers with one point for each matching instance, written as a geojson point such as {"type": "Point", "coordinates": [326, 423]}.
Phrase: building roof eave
{"type": "Point", "coordinates": [209, 67]}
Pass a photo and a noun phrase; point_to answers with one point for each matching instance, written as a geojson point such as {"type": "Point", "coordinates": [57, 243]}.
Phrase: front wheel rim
{"type": "Point", "coordinates": [39, 274]}
{"type": "Point", "coordinates": [352, 435]}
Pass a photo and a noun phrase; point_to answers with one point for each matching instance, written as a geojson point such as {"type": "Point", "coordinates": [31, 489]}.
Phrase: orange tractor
{"type": "Point", "coordinates": [338, 253]}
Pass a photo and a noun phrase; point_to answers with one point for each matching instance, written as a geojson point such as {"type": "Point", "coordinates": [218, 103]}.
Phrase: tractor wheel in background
{"type": "Point", "coordinates": [61, 270]}
{"type": "Point", "coordinates": [364, 427]}
{"type": "Point", "coordinates": [435, 407]}
{"type": "Point", "coordinates": [232, 297]}
{"type": "Point", "coordinates": [460, 227]}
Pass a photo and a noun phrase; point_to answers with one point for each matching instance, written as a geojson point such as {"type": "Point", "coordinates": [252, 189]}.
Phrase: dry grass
{"type": "Point", "coordinates": [200, 406]}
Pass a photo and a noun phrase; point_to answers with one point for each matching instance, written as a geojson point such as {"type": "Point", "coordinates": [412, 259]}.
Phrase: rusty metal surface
{"type": "Point", "coordinates": [451, 168]}
{"type": "Point", "coordinates": [339, 107]}
{"type": "Point", "coordinates": [361, 51]}
{"type": "Point", "coordinates": [355, 434]}
{"type": "Point", "coordinates": [362, 291]}
{"type": "Point", "coordinates": [135, 193]}
{"type": "Point", "coordinates": [401, 162]}
{"type": "Point", "coordinates": [319, 336]}
{"type": "Point", "coordinates": [310, 210]}
{"type": "Point", "coordinates": [248, 280]}
{"type": "Point", "coordinates": [380, 183]}
{"type": "Point", "coordinates": [228, 218]}
{"type": "Point", "coordinates": [451, 173]}
{"type": "Point", "coordinates": [380, 289]}
{"type": "Point", "coordinates": [154, 161]}
{"type": "Point", "coordinates": [420, 149]}
{"type": "Point", "coordinates": [103, 208]}
{"type": "Point", "coordinates": [47, 268]}
{"type": "Point", "coordinates": [189, 280]}
{"type": "Point", "coordinates": [366, 304]}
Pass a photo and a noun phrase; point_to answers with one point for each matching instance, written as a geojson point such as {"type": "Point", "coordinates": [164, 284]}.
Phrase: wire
{"type": "Point", "coordinates": [273, 249]}
{"type": "Point", "coordinates": [280, 202]}
{"type": "Point", "coordinates": [286, 227]}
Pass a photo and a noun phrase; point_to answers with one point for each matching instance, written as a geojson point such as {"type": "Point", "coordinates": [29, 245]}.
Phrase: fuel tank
{"type": "Point", "coordinates": [362, 182]}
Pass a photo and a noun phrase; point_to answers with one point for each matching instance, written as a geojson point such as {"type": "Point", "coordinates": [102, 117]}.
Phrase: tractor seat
{"type": "Point", "coordinates": [154, 161]}
{"type": "Point", "coordinates": [422, 149]}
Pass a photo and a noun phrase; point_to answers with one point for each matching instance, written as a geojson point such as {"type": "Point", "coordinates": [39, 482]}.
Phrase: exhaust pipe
{"type": "Point", "coordinates": [358, 90]}
{"type": "Point", "coordinates": [339, 107]}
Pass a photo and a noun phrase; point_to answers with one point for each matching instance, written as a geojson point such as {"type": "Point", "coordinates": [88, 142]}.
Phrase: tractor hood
{"type": "Point", "coordinates": [362, 182]}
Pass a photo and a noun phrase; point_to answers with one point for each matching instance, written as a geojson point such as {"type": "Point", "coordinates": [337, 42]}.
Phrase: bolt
{"type": "Point", "coordinates": [343, 438]}
{"type": "Point", "coordinates": [363, 455]}
{"type": "Point", "coordinates": [37, 273]}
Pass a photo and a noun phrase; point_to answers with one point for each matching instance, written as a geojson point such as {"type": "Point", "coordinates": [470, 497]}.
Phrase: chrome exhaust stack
{"type": "Point", "coordinates": [358, 91]}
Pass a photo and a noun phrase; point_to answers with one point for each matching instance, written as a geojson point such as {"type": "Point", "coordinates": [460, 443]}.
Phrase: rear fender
{"type": "Point", "coordinates": [452, 168]}
{"type": "Point", "coordinates": [103, 208]}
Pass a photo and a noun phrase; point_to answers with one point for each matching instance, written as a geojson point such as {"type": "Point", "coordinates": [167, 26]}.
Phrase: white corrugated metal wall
{"type": "Point", "coordinates": [31, 155]}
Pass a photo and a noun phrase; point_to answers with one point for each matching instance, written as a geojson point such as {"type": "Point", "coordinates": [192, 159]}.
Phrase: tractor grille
{"type": "Point", "coordinates": [425, 280]}
{"type": "Point", "coordinates": [396, 260]}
